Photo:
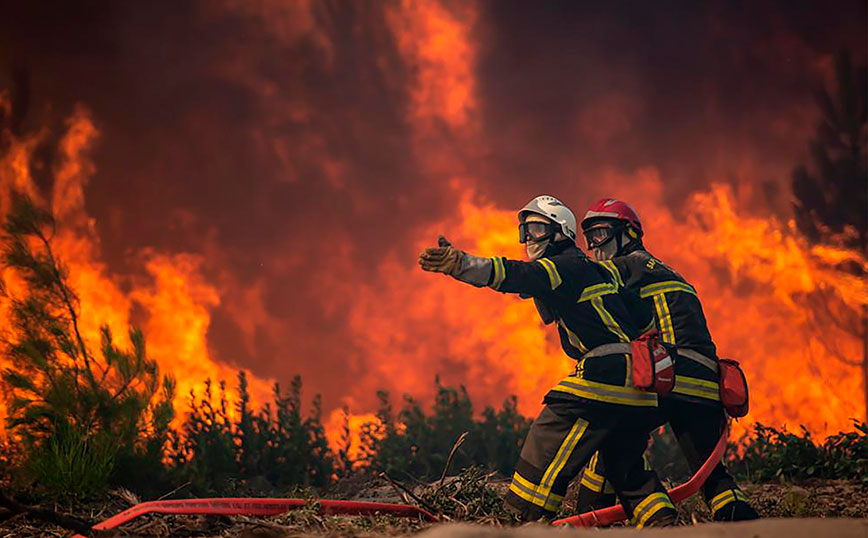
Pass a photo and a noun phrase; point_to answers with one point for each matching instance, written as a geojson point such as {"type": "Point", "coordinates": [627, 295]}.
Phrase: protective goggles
{"type": "Point", "coordinates": [600, 234]}
{"type": "Point", "coordinates": [536, 231]}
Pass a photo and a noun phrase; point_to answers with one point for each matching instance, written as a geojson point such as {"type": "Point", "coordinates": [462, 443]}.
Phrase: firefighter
{"type": "Point", "coordinates": [693, 409]}
{"type": "Point", "coordinates": [593, 409]}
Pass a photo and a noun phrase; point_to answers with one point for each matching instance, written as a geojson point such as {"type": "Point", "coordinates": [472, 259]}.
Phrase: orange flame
{"type": "Point", "coordinates": [176, 299]}
{"type": "Point", "coordinates": [757, 278]}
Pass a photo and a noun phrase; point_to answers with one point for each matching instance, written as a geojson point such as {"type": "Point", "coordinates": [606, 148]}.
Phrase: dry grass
{"type": "Point", "coordinates": [471, 496]}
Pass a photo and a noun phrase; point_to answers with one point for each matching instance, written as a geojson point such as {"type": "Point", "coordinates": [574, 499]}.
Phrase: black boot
{"type": "Point", "coordinates": [736, 511]}
{"type": "Point", "coordinates": [664, 518]}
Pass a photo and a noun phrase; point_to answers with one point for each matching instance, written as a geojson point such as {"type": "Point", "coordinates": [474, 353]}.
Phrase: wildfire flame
{"type": "Point", "coordinates": [761, 284]}
{"type": "Point", "coordinates": [176, 300]}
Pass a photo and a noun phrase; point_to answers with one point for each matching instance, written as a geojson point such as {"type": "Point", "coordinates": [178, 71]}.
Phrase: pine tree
{"type": "Point", "coordinates": [69, 403]}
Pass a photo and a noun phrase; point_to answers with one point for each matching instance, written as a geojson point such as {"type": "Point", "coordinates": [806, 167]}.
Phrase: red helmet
{"type": "Point", "coordinates": [610, 208]}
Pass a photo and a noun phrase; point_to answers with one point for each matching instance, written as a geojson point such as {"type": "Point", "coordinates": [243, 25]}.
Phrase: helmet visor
{"type": "Point", "coordinates": [599, 234]}
{"type": "Point", "coordinates": [535, 231]}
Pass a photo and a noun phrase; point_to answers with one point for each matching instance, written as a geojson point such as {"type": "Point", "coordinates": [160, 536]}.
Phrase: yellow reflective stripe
{"type": "Point", "coordinates": [573, 338]}
{"type": "Point", "coordinates": [664, 319]}
{"type": "Point", "coordinates": [696, 382]}
{"type": "Point", "coordinates": [554, 277]}
{"type": "Point", "coordinates": [700, 388]}
{"type": "Point", "coordinates": [593, 483]}
{"type": "Point", "coordinates": [723, 499]}
{"type": "Point", "coordinates": [499, 273]}
{"type": "Point", "coordinates": [597, 290]}
{"type": "Point", "coordinates": [610, 266]}
{"type": "Point", "coordinates": [550, 505]}
{"type": "Point", "coordinates": [564, 452]}
{"type": "Point", "coordinates": [651, 505]}
{"type": "Point", "coordinates": [665, 287]}
{"type": "Point", "coordinates": [590, 478]}
{"type": "Point", "coordinates": [528, 491]}
{"type": "Point", "coordinates": [524, 482]}
{"type": "Point", "coordinates": [651, 326]}
{"type": "Point", "coordinates": [604, 392]}
{"type": "Point", "coordinates": [646, 463]}
{"type": "Point", "coordinates": [608, 320]}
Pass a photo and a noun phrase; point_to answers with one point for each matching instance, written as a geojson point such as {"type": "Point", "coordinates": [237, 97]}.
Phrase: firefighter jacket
{"type": "Point", "coordinates": [657, 292]}
{"type": "Point", "coordinates": [583, 299]}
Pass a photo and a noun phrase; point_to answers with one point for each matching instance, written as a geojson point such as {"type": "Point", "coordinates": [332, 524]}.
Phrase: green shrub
{"type": "Point", "coordinates": [772, 454]}
{"type": "Point", "coordinates": [416, 445]}
{"type": "Point", "coordinates": [72, 464]}
{"type": "Point", "coordinates": [274, 447]}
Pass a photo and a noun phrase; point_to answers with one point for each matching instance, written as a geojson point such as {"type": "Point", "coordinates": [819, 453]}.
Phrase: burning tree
{"type": "Point", "coordinates": [77, 412]}
{"type": "Point", "coordinates": [831, 199]}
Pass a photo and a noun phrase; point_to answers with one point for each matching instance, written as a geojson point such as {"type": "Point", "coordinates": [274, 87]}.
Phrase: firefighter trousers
{"type": "Point", "coordinates": [697, 427]}
{"type": "Point", "coordinates": [560, 443]}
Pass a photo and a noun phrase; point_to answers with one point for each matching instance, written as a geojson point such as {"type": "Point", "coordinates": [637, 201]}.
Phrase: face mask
{"type": "Point", "coordinates": [536, 249]}
{"type": "Point", "coordinates": [608, 250]}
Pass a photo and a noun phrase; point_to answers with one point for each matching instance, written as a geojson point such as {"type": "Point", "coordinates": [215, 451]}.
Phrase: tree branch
{"type": "Point", "coordinates": [67, 522]}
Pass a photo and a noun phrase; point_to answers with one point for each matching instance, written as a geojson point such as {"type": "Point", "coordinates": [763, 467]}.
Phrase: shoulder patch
{"type": "Point", "coordinates": [651, 263]}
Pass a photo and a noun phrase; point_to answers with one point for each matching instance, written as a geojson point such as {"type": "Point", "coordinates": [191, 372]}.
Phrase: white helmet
{"type": "Point", "coordinates": [554, 210]}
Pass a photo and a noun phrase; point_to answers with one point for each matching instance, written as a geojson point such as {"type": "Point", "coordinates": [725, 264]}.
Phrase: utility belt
{"type": "Point", "coordinates": [651, 364]}
{"type": "Point", "coordinates": [653, 369]}
{"type": "Point", "coordinates": [731, 379]}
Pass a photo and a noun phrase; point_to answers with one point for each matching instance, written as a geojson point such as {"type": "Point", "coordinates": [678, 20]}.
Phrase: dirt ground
{"type": "Point", "coordinates": [471, 507]}
{"type": "Point", "coordinates": [767, 528]}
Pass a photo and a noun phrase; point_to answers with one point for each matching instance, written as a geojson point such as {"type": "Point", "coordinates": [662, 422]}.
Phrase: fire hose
{"type": "Point", "coordinates": [235, 506]}
{"type": "Point", "coordinates": [242, 506]}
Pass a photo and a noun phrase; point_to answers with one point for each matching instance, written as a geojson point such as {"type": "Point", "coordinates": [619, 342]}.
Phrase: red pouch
{"type": "Point", "coordinates": [733, 388]}
{"type": "Point", "coordinates": [652, 365]}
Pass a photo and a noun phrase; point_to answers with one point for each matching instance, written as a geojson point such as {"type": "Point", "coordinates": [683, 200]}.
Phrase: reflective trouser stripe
{"type": "Point", "coordinates": [541, 494]}
{"type": "Point", "coordinates": [526, 490]}
{"type": "Point", "coordinates": [593, 481]}
{"type": "Point", "coordinates": [723, 499]}
{"type": "Point", "coordinates": [596, 482]}
{"type": "Point", "coordinates": [499, 273]}
{"type": "Point", "coordinates": [564, 452]}
{"type": "Point", "coordinates": [590, 478]}
{"type": "Point", "coordinates": [700, 388]}
{"type": "Point", "coordinates": [554, 277]}
{"type": "Point", "coordinates": [651, 505]}
{"type": "Point", "coordinates": [606, 393]}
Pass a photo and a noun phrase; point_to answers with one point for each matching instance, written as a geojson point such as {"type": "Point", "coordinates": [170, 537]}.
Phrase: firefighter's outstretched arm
{"type": "Point", "coordinates": [460, 265]}
{"type": "Point", "coordinates": [534, 279]}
